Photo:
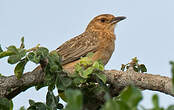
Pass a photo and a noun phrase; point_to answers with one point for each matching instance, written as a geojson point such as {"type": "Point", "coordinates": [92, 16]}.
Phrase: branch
{"type": "Point", "coordinates": [11, 86]}
{"type": "Point", "coordinates": [121, 79]}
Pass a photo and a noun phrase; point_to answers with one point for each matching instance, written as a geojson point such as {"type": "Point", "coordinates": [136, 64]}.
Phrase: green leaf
{"type": "Point", "coordinates": [78, 68]}
{"type": "Point", "coordinates": [37, 106]}
{"type": "Point", "coordinates": [98, 66]}
{"type": "Point", "coordinates": [79, 80]}
{"type": "Point", "coordinates": [42, 51]}
{"type": "Point", "coordinates": [50, 80]}
{"type": "Point", "coordinates": [22, 53]}
{"type": "Point", "coordinates": [85, 61]}
{"type": "Point", "coordinates": [30, 56]}
{"type": "Point", "coordinates": [54, 61]}
{"type": "Point", "coordinates": [59, 83]}
{"type": "Point", "coordinates": [55, 56]}
{"type": "Point", "coordinates": [115, 105]}
{"type": "Point", "coordinates": [51, 87]}
{"type": "Point", "coordinates": [155, 101]}
{"type": "Point", "coordinates": [33, 57]}
{"type": "Point", "coordinates": [6, 53]}
{"type": "Point", "coordinates": [18, 55]}
{"type": "Point", "coordinates": [102, 77]}
{"type": "Point", "coordinates": [101, 67]}
{"type": "Point", "coordinates": [135, 68]}
{"type": "Point", "coordinates": [37, 55]}
{"type": "Point", "coordinates": [131, 95]}
{"type": "Point", "coordinates": [171, 107]}
{"type": "Point", "coordinates": [51, 100]}
{"type": "Point", "coordinates": [4, 104]}
{"type": "Point", "coordinates": [20, 68]}
{"type": "Point", "coordinates": [66, 81]}
{"type": "Point", "coordinates": [1, 49]}
{"type": "Point", "coordinates": [54, 68]}
{"type": "Point", "coordinates": [22, 43]}
{"type": "Point", "coordinates": [74, 99]}
{"type": "Point", "coordinates": [13, 49]}
{"type": "Point", "coordinates": [22, 108]}
{"type": "Point", "coordinates": [31, 102]}
{"type": "Point", "coordinates": [87, 72]}
{"type": "Point", "coordinates": [142, 68]}
{"type": "Point", "coordinates": [11, 105]}
{"type": "Point", "coordinates": [13, 59]}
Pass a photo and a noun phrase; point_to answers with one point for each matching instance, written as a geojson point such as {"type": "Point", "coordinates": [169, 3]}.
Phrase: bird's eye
{"type": "Point", "coordinates": [103, 20]}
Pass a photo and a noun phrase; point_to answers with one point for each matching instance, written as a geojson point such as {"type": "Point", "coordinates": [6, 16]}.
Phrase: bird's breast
{"type": "Point", "coordinates": [106, 47]}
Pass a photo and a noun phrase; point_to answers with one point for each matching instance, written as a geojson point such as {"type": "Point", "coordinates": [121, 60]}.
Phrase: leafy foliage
{"type": "Point", "coordinates": [136, 66]}
{"type": "Point", "coordinates": [20, 68]}
{"type": "Point", "coordinates": [74, 100]}
{"type": "Point", "coordinates": [86, 68]}
{"type": "Point", "coordinates": [18, 56]}
{"type": "Point", "coordinates": [131, 96]}
{"type": "Point", "coordinates": [87, 82]}
{"type": "Point", "coordinates": [127, 100]}
{"type": "Point", "coordinates": [155, 102]}
{"type": "Point", "coordinates": [6, 104]}
{"type": "Point", "coordinates": [22, 108]}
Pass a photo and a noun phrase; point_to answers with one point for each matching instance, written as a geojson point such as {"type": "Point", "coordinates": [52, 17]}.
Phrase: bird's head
{"type": "Point", "coordinates": [104, 22]}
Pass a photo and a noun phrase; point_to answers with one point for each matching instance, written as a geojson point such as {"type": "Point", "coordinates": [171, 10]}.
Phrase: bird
{"type": "Point", "coordinates": [98, 38]}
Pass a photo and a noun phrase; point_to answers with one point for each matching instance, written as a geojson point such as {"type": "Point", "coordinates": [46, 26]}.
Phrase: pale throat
{"type": "Point", "coordinates": [111, 28]}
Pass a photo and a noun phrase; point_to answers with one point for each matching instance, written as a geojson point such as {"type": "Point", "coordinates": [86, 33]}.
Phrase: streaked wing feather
{"type": "Point", "coordinates": [77, 47]}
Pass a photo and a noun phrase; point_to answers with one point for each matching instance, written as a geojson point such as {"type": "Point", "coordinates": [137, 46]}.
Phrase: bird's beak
{"type": "Point", "coordinates": [117, 19]}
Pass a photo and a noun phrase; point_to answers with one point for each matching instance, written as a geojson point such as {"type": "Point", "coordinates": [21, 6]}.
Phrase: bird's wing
{"type": "Point", "coordinates": [77, 47]}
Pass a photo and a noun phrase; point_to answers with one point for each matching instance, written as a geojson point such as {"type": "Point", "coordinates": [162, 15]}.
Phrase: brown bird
{"type": "Point", "coordinates": [98, 38]}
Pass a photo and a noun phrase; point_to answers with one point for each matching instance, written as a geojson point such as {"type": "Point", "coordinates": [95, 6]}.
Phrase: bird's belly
{"type": "Point", "coordinates": [104, 53]}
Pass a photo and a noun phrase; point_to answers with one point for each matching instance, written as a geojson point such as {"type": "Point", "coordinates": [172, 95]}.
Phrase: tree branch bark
{"type": "Point", "coordinates": [121, 79]}
{"type": "Point", "coordinates": [10, 86]}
